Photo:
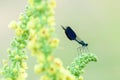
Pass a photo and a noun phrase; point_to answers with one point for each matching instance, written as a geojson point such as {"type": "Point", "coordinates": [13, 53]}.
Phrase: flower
{"type": "Point", "coordinates": [77, 66]}
{"type": "Point", "coordinates": [31, 2]}
{"type": "Point", "coordinates": [22, 74]}
{"type": "Point", "coordinates": [58, 62]}
{"type": "Point", "coordinates": [44, 77]}
{"type": "Point", "coordinates": [53, 42]}
{"type": "Point", "coordinates": [38, 68]}
{"type": "Point", "coordinates": [80, 78]}
{"type": "Point", "coordinates": [17, 57]}
{"type": "Point", "coordinates": [44, 33]}
{"type": "Point", "coordinates": [8, 79]}
{"type": "Point", "coordinates": [51, 21]}
{"type": "Point", "coordinates": [13, 25]}
{"type": "Point", "coordinates": [19, 31]}
{"type": "Point", "coordinates": [53, 3]}
{"type": "Point", "coordinates": [24, 65]}
{"type": "Point", "coordinates": [31, 24]}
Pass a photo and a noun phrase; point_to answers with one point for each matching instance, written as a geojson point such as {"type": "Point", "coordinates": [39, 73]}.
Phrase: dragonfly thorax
{"type": "Point", "coordinates": [82, 43]}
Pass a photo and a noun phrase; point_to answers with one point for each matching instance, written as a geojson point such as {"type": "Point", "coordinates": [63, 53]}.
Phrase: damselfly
{"type": "Point", "coordinates": [72, 36]}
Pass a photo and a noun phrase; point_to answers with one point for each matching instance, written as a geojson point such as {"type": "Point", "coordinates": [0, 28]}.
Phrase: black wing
{"type": "Point", "coordinates": [70, 33]}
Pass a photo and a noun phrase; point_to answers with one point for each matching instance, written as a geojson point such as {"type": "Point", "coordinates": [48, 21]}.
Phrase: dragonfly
{"type": "Point", "coordinates": [71, 35]}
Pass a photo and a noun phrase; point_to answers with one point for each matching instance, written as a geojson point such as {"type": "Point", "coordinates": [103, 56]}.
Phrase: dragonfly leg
{"type": "Point", "coordinates": [79, 50]}
{"type": "Point", "coordinates": [86, 50]}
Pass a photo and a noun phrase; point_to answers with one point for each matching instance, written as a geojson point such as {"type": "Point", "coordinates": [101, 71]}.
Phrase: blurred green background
{"type": "Point", "coordinates": [95, 21]}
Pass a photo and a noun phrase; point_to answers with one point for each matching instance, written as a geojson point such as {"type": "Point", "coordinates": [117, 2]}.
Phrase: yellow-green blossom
{"type": "Point", "coordinates": [54, 42]}
{"type": "Point", "coordinates": [38, 68]}
{"type": "Point", "coordinates": [35, 31]}
{"type": "Point", "coordinates": [13, 25]}
{"type": "Point", "coordinates": [44, 33]}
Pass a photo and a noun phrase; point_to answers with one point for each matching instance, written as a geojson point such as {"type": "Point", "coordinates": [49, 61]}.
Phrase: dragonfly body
{"type": "Point", "coordinates": [72, 36]}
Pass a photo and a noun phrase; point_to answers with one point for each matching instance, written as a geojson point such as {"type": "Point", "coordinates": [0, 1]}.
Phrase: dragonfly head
{"type": "Point", "coordinates": [86, 44]}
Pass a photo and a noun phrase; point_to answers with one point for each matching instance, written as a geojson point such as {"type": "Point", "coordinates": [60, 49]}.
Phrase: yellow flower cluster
{"type": "Point", "coordinates": [13, 25]}
{"type": "Point", "coordinates": [42, 43]}
{"type": "Point", "coordinates": [16, 68]}
{"type": "Point", "coordinates": [36, 32]}
{"type": "Point", "coordinates": [22, 75]}
{"type": "Point", "coordinates": [56, 71]}
{"type": "Point", "coordinates": [44, 33]}
{"type": "Point", "coordinates": [54, 42]}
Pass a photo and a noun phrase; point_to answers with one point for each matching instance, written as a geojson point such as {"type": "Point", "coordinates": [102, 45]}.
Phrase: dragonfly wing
{"type": "Point", "coordinates": [70, 33]}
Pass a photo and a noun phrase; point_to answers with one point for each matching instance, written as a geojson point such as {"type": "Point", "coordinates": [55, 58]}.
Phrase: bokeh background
{"type": "Point", "coordinates": [96, 21]}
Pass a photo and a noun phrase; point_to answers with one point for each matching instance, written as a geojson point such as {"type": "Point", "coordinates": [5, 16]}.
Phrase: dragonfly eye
{"type": "Point", "coordinates": [70, 33]}
{"type": "Point", "coordinates": [86, 44]}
